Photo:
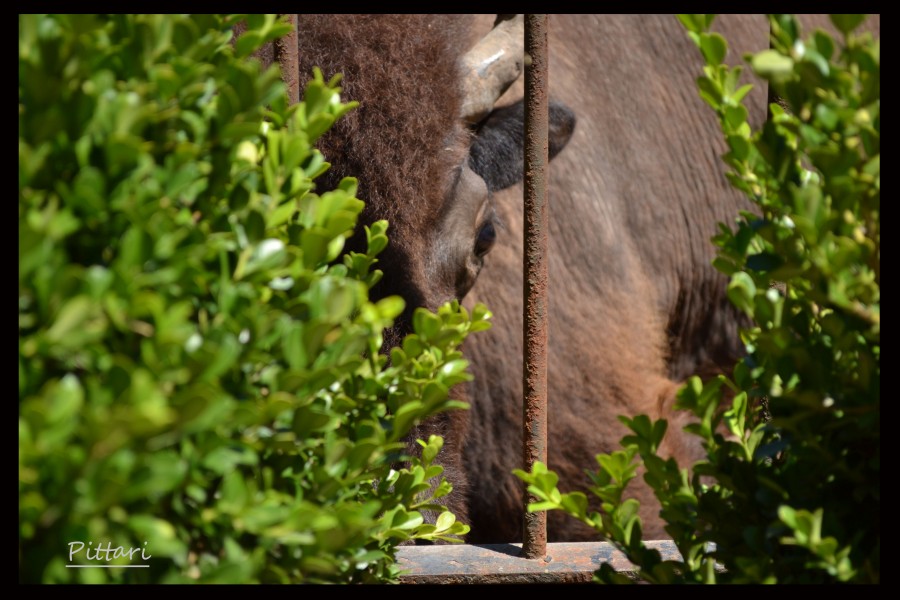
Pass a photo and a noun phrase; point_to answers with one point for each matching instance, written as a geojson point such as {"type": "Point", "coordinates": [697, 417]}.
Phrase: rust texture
{"type": "Point", "coordinates": [535, 270]}
{"type": "Point", "coordinates": [286, 55]}
{"type": "Point", "coordinates": [564, 562]}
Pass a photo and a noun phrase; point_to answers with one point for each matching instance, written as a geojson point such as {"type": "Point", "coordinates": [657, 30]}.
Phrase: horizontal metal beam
{"type": "Point", "coordinates": [564, 562]}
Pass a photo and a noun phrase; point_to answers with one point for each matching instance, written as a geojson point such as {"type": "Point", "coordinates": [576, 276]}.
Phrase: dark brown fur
{"type": "Point", "coordinates": [405, 139]}
{"type": "Point", "coordinates": [404, 143]}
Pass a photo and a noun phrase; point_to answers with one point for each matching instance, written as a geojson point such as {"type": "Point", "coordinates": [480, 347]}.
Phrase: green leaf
{"type": "Point", "coordinates": [376, 239]}
{"type": "Point", "coordinates": [739, 94]}
{"type": "Point", "coordinates": [224, 459]}
{"type": "Point", "coordinates": [391, 307]}
{"type": "Point", "coordinates": [713, 47]}
{"type": "Point", "coordinates": [847, 23]}
{"type": "Point", "coordinates": [71, 318]}
{"type": "Point", "coordinates": [248, 42]}
{"type": "Point", "coordinates": [740, 148]}
{"type": "Point", "coordinates": [575, 503]}
{"type": "Point", "coordinates": [741, 291]}
{"type": "Point", "coordinates": [824, 44]}
{"type": "Point", "coordinates": [234, 493]}
{"type": "Point", "coordinates": [445, 521]}
{"type": "Point", "coordinates": [818, 61]}
{"type": "Point", "coordinates": [773, 65]}
{"type": "Point", "coordinates": [407, 520]}
{"type": "Point", "coordinates": [267, 254]}
{"type": "Point", "coordinates": [158, 538]}
{"type": "Point", "coordinates": [827, 117]}
{"type": "Point", "coordinates": [426, 324]}
{"type": "Point", "coordinates": [696, 23]}
{"type": "Point", "coordinates": [542, 506]}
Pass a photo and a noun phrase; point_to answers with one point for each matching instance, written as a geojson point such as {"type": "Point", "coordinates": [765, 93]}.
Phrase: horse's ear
{"type": "Point", "coordinates": [498, 154]}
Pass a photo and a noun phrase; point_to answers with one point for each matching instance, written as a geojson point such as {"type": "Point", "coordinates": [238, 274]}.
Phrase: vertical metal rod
{"type": "Point", "coordinates": [535, 270]}
{"type": "Point", "coordinates": [286, 54]}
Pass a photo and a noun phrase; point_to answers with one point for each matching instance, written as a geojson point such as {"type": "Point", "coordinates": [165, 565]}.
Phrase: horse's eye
{"type": "Point", "coordinates": [487, 235]}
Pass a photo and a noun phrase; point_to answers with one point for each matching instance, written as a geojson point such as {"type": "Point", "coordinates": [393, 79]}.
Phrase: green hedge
{"type": "Point", "coordinates": [790, 489]}
{"type": "Point", "coordinates": [199, 374]}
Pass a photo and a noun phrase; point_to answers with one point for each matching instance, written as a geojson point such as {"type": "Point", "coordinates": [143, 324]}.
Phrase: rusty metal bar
{"type": "Point", "coordinates": [536, 313]}
{"type": "Point", "coordinates": [564, 562]}
{"type": "Point", "coordinates": [286, 55]}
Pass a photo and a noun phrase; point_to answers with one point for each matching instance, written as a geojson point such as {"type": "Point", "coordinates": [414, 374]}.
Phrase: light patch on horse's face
{"type": "Point", "coordinates": [467, 226]}
{"type": "Point", "coordinates": [466, 231]}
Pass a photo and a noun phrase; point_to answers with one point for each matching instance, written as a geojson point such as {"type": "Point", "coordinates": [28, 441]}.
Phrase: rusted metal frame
{"type": "Point", "coordinates": [536, 315]}
{"type": "Point", "coordinates": [564, 562]}
{"type": "Point", "coordinates": [286, 53]}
